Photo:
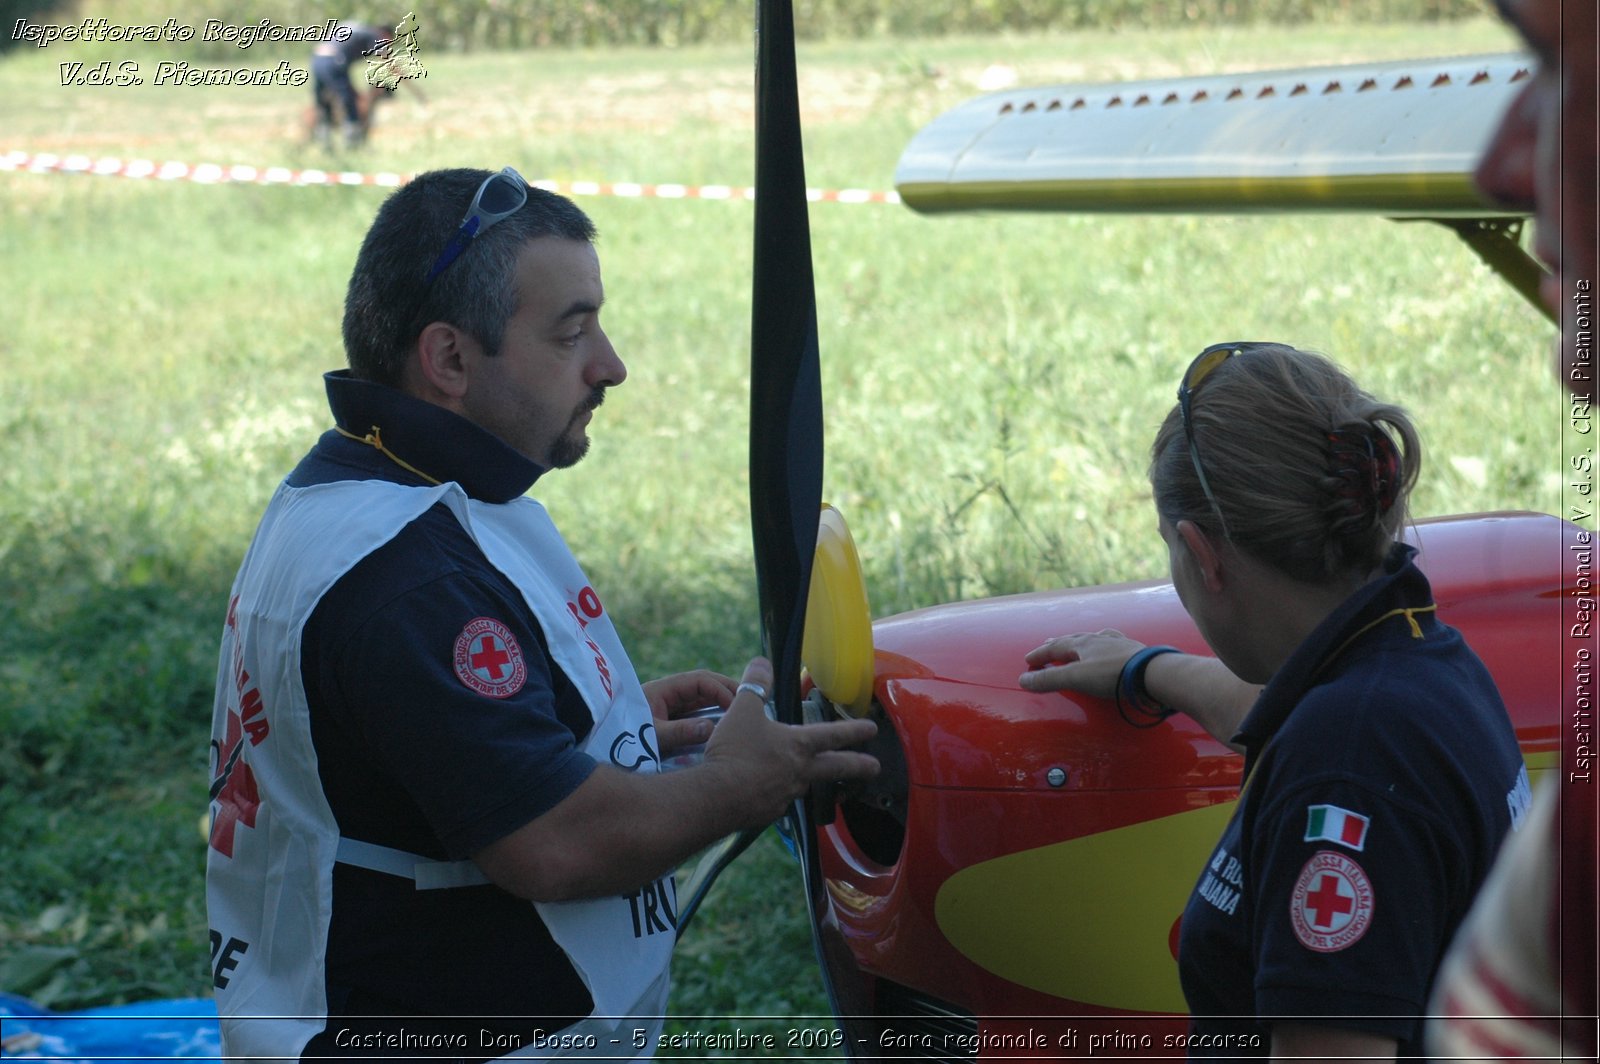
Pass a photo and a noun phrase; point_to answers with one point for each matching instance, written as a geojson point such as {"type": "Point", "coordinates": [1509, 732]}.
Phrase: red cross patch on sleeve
{"type": "Point", "coordinates": [1331, 907]}
{"type": "Point", "coordinates": [488, 659]}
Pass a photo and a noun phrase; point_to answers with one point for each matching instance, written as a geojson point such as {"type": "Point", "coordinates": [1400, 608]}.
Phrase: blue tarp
{"type": "Point", "coordinates": [182, 1029]}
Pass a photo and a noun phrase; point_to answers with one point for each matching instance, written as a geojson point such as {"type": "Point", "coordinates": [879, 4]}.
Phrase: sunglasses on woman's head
{"type": "Point", "coordinates": [1199, 370]}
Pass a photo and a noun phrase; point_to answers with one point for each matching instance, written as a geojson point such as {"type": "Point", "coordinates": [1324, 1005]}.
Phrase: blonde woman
{"type": "Point", "coordinates": [1382, 771]}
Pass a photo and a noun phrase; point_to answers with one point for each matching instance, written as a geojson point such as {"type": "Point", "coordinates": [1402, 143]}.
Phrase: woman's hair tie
{"type": "Point", "coordinates": [1364, 465]}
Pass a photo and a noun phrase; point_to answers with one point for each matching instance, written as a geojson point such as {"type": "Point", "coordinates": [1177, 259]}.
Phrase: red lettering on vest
{"type": "Point", "coordinates": [233, 784]}
{"type": "Point", "coordinates": [581, 612]}
{"type": "Point", "coordinates": [233, 787]}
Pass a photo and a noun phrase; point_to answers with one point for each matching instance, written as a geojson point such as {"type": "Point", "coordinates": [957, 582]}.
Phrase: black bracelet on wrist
{"type": "Point", "coordinates": [1131, 693]}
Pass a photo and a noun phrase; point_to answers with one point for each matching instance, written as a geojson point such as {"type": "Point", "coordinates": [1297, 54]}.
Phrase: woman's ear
{"type": "Point", "coordinates": [1206, 554]}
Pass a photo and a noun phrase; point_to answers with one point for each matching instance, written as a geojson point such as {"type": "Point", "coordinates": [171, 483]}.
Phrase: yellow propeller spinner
{"type": "Point", "coordinates": [837, 647]}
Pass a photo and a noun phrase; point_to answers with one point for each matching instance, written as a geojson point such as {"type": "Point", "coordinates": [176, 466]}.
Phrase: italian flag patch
{"type": "Point", "coordinates": [1329, 823]}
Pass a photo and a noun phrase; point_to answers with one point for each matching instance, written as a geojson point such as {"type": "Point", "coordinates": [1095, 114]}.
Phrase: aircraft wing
{"type": "Point", "coordinates": [1398, 139]}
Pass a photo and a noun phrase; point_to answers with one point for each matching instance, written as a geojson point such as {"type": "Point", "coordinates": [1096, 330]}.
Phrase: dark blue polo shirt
{"type": "Point", "coordinates": [1382, 773]}
{"type": "Point", "coordinates": [413, 758]}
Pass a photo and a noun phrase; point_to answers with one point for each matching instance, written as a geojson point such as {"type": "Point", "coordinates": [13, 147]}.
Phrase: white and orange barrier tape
{"type": "Point", "coordinates": [213, 173]}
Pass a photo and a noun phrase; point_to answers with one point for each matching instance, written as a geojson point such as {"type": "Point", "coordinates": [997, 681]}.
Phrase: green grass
{"type": "Point", "coordinates": [992, 383]}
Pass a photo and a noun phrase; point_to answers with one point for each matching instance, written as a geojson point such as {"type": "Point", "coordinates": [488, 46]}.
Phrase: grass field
{"type": "Point", "coordinates": [991, 382]}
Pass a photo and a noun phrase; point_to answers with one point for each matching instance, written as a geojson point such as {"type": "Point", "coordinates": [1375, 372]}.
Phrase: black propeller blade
{"type": "Point", "coordinates": [786, 448]}
{"type": "Point", "coordinates": [785, 379]}
{"type": "Point", "coordinates": [786, 477]}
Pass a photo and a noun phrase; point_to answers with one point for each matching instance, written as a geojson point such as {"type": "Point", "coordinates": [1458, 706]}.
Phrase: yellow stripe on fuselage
{"type": "Point", "coordinates": [1089, 919]}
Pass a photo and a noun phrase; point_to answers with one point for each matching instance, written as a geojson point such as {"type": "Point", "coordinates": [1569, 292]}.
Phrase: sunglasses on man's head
{"type": "Point", "coordinates": [499, 197]}
{"type": "Point", "coordinates": [1199, 370]}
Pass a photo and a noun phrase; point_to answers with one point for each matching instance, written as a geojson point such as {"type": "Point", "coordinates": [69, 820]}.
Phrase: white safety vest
{"type": "Point", "coordinates": [274, 842]}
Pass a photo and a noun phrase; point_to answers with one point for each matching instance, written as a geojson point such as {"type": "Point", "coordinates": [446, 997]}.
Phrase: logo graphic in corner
{"type": "Point", "coordinates": [1331, 907]}
{"type": "Point", "coordinates": [395, 60]}
{"type": "Point", "coordinates": [488, 659]}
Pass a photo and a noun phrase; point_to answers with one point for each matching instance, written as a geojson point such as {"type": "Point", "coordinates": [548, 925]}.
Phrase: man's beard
{"type": "Point", "coordinates": [573, 444]}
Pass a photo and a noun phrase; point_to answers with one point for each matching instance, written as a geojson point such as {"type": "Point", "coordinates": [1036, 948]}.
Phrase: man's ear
{"type": "Point", "coordinates": [1207, 558]}
{"type": "Point", "coordinates": [441, 362]}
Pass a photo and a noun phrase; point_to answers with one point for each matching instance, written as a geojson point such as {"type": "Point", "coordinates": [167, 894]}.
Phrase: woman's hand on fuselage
{"type": "Point", "coordinates": [1092, 662]}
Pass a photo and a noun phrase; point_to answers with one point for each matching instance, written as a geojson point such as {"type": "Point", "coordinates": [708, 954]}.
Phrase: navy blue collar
{"type": "Point", "coordinates": [431, 443]}
{"type": "Point", "coordinates": [1401, 590]}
